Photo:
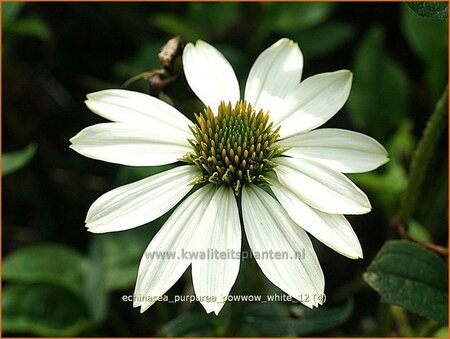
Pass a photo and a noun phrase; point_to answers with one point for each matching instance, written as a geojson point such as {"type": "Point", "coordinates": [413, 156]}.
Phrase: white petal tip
{"type": "Point", "coordinates": [364, 208]}
{"type": "Point", "coordinates": [363, 211]}
{"type": "Point", "coordinates": [94, 95]}
{"type": "Point", "coordinates": [354, 255]}
{"type": "Point", "coordinates": [310, 305]}
{"type": "Point", "coordinates": [96, 229]}
{"type": "Point", "coordinates": [345, 72]}
{"type": "Point", "coordinates": [201, 42]}
{"type": "Point", "coordinates": [91, 96]}
{"type": "Point", "coordinates": [189, 45]}
{"type": "Point", "coordinates": [208, 307]}
{"type": "Point", "coordinates": [213, 307]}
{"type": "Point", "coordinates": [360, 254]}
{"type": "Point", "coordinates": [346, 75]}
{"type": "Point", "coordinates": [285, 41]}
{"type": "Point", "coordinates": [89, 103]}
{"type": "Point", "coordinates": [218, 307]}
{"type": "Point", "coordinates": [101, 229]}
{"type": "Point", "coordinates": [144, 306]}
{"type": "Point", "coordinates": [384, 159]}
{"type": "Point", "coordinates": [353, 251]}
{"type": "Point", "coordinates": [74, 143]}
{"type": "Point", "coordinates": [92, 229]}
{"type": "Point", "coordinates": [73, 140]}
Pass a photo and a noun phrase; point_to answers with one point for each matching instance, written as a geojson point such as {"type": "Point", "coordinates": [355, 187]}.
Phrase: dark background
{"type": "Point", "coordinates": [53, 54]}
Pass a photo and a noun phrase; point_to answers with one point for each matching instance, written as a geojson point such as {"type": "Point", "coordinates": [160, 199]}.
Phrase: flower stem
{"type": "Point", "coordinates": [401, 321]}
{"type": "Point", "coordinates": [384, 320]}
{"type": "Point", "coordinates": [422, 156]}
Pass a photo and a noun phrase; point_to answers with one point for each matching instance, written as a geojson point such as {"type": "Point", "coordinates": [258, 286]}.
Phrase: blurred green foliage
{"type": "Point", "coordinates": [370, 109]}
{"type": "Point", "coordinates": [60, 280]}
{"type": "Point", "coordinates": [429, 40]}
{"type": "Point", "coordinates": [14, 161]}
{"type": "Point", "coordinates": [31, 309]}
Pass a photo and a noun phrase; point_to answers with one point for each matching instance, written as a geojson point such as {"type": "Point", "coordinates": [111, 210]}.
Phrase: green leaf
{"type": "Point", "coordinates": [116, 256]}
{"type": "Point", "coordinates": [122, 253]}
{"type": "Point", "coordinates": [216, 16]}
{"type": "Point", "coordinates": [32, 27]}
{"type": "Point", "coordinates": [121, 261]}
{"type": "Point", "coordinates": [402, 144]}
{"type": "Point", "coordinates": [189, 325]}
{"type": "Point", "coordinates": [428, 39]}
{"type": "Point", "coordinates": [299, 16]}
{"type": "Point", "coordinates": [277, 320]}
{"type": "Point", "coordinates": [325, 39]}
{"type": "Point", "coordinates": [46, 263]}
{"type": "Point", "coordinates": [41, 310]}
{"type": "Point", "coordinates": [14, 161]}
{"type": "Point", "coordinates": [407, 275]}
{"type": "Point", "coordinates": [379, 96]}
{"type": "Point", "coordinates": [96, 294]}
{"type": "Point", "coordinates": [430, 9]}
{"type": "Point", "coordinates": [10, 11]}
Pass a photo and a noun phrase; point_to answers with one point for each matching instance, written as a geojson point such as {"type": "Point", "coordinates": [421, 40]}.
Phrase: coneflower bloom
{"type": "Point", "coordinates": [258, 160]}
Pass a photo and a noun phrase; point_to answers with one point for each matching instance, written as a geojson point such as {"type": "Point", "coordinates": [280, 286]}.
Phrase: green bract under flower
{"type": "Point", "coordinates": [233, 147]}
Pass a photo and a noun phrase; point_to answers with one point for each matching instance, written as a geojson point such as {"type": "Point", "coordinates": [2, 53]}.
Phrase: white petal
{"type": "Point", "coordinates": [209, 74]}
{"type": "Point", "coordinates": [331, 229]}
{"type": "Point", "coordinates": [321, 187]}
{"type": "Point", "coordinates": [274, 74]}
{"type": "Point", "coordinates": [342, 150]}
{"type": "Point", "coordinates": [314, 102]}
{"type": "Point", "coordinates": [165, 258]}
{"type": "Point", "coordinates": [136, 108]}
{"type": "Point", "coordinates": [131, 145]}
{"type": "Point", "coordinates": [270, 230]}
{"type": "Point", "coordinates": [140, 202]}
{"type": "Point", "coordinates": [220, 236]}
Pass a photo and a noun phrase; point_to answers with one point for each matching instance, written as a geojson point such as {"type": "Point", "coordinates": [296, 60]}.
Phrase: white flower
{"type": "Point", "coordinates": [260, 157]}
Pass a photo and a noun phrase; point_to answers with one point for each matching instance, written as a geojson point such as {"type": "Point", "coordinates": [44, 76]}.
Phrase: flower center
{"type": "Point", "coordinates": [233, 147]}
